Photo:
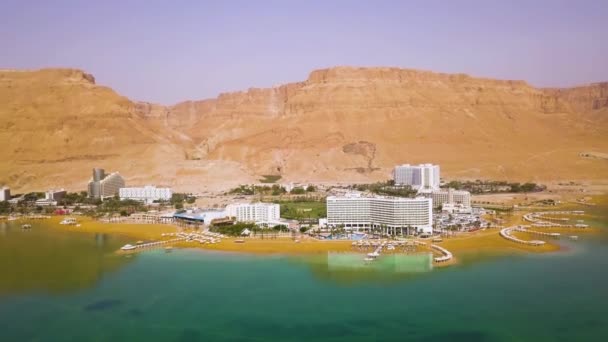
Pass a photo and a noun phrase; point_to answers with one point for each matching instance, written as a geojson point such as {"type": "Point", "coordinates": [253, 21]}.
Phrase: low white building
{"type": "Point", "coordinates": [213, 214]}
{"type": "Point", "coordinates": [260, 213]}
{"type": "Point", "coordinates": [450, 196]}
{"type": "Point", "coordinates": [146, 194]}
{"type": "Point", "coordinates": [393, 215]}
{"type": "Point", "coordinates": [456, 208]}
{"type": "Point", "coordinates": [46, 202]}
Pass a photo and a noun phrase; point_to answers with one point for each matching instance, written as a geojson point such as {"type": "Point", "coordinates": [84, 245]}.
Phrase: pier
{"type": "Point", "coordinates": [447, 255]}
{"type": "Point", "coordinates": [379, 245]}
{"type": "Point", "coordinates": [36, 217]}
{"type": "Point", "coordinates": [202, 238]}
{"type": "Point", "coordinates": [526, 230]}
{"type": "Point", "coordinates": [129, 247]}
{"type": "Point", "coordinates": [406, 246]}
{"type": "Point", "coordinates": [506, 233]}
{"type": "Point", "coordinates": [539, 219]}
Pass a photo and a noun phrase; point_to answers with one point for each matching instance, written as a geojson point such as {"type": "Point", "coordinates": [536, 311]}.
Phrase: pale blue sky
{"type": "Point", "coordinates": [169, 51]}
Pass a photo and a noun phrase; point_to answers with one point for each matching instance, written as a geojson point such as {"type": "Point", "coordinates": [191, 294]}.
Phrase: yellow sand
{"type": "Point", "coordinates": [147, 232]}
{"type": "Point", "coordinates": [137, 231]}
{"type": "Point", "coordinates": [486, 241]}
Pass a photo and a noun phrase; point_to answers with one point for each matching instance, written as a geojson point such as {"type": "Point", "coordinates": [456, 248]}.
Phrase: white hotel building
{"type": "Point", "coordinates": [423, 176]}
{"type": "Point", "coordinates": [146, 194]}
{"type": "Point", "coordinates": [5, 194]}
{"type": "Point", "coordinates": [394, 215]}
{"type": "Point", "coordinates": [104, 186]}
{"type": "Point", "coordinates": [260, 213]}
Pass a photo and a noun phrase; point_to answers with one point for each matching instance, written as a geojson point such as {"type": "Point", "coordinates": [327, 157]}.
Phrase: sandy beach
{"type": "Point", "coordinates": [487, 240]}
{"type": "Point", "coordinates": [483, 241]}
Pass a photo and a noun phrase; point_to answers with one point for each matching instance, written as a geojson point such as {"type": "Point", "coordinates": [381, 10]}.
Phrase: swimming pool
{"type": "Point", "coordinates": [353, 236]}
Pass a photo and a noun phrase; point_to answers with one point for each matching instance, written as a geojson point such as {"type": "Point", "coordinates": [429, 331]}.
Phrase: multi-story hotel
{"type": "Point", "coordinates": [55, 195]}
{"type": "Point", "coordinates": [102, 185]}
{"type": "Point", "coordinates": [262, 213]}
{"type": "Point", "coordinates": [450, 196]}
{"type": "Point", "coordinates": [5, 194]}
{"type": "Point", "coordinates": [147, 194]}
{"type": "Point", "coordinates": [394, 215]}
{"type": "Point", "coordinates": [423, 176]}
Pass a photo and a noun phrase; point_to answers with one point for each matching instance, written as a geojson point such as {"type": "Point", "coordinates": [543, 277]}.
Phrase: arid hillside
{"type": "Point", "coordinates": [56, 124]}
{"type": "Point", "coordinates": [341, 124]}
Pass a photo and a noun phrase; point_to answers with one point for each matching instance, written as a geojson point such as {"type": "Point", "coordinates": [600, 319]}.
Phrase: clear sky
{"type": "Point", "coordinates": [169, 51]}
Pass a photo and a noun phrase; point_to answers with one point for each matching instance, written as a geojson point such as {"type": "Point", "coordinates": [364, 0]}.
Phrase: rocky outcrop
{"type": "Point", "coordinates": [584, 98]}
{"type": "Point", "coordinates": [56, 124]}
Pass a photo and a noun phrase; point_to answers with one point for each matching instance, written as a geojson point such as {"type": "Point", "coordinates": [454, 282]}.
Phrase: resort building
{"type": "Point", "coordinates": [55, 195]}
{"type": "Point", "coordinates": [260, 213]}
{"type": "Point", "coordinates": [199, 216]}
{"type": "Point", "coordinates": [43, 202]}
{"type": "Point", "coordinates": [147, 194]}
{"type": "Point", "coordinates": [450, 196]}
{"type": "Point", "coordinates": [393, 215]}
{"type": "Point", "coordinates": [5, 194]}
{"type": "Point", "coordinates": [103, 186]}
{"type": "Point", "coordinates": [422, 176]}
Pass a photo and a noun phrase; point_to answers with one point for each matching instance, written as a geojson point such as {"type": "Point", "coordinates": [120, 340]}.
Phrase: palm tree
{"type": "Point", "coordinates": [376, 230]}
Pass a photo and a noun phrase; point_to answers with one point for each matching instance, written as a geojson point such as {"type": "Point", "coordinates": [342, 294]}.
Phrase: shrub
{"type": "Point", "coordinates": [298, 191]}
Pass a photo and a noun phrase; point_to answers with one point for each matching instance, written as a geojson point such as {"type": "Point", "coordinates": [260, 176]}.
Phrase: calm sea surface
{"type": "Point", "coordinates": [58, 286]}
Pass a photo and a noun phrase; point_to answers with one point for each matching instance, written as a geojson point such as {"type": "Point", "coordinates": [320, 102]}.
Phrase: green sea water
{"type": "Point", "coordinates": [59, 286]}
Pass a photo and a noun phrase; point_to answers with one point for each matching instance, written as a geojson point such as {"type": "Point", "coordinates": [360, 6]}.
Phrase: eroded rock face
{"type": "Point", "coordinates": [585, 98]}
{"type": "Point", "coordinates": [341, 124]}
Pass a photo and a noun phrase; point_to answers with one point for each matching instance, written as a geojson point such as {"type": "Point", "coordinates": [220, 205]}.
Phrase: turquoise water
{"type": "Point", "coordinates": [193, 295]}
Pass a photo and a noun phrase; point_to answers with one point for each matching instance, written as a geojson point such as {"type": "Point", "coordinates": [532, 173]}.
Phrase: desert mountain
{"type": "Point", "coordinates": [341, 124]}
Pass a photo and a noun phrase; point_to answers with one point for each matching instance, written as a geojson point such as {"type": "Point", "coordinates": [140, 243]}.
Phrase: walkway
{"type": "Point", "coordinates": [447, 255]}
{"type": "Point", "coordinates": [538, 219]}
{"type": "Point", "coordinates": [202, 238]}
{"type": "Point", "coordinates": [526, 230]}
{"type": "Point", "coordinates": [506, 233]}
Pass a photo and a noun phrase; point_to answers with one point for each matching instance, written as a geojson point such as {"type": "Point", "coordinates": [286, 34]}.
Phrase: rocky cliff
{"type": "Point", "coordinates": [340, 124]}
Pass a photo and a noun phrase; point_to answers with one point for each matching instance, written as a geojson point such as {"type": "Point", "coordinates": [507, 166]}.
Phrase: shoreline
{"type": "Point", "coordinates": [485, 241]}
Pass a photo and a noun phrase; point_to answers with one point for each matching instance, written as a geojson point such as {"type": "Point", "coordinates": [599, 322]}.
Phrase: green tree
{"type": "Point", "coordinates": [5, 207]}
{"type": "Point", "coordinates": [236, 229]}
{"type": "Point", "coordinates": [528, 187]}
{"type": "Point", "coordinates": [298, 191]}
{"type": "Point", "coordinates": [280, 228]}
